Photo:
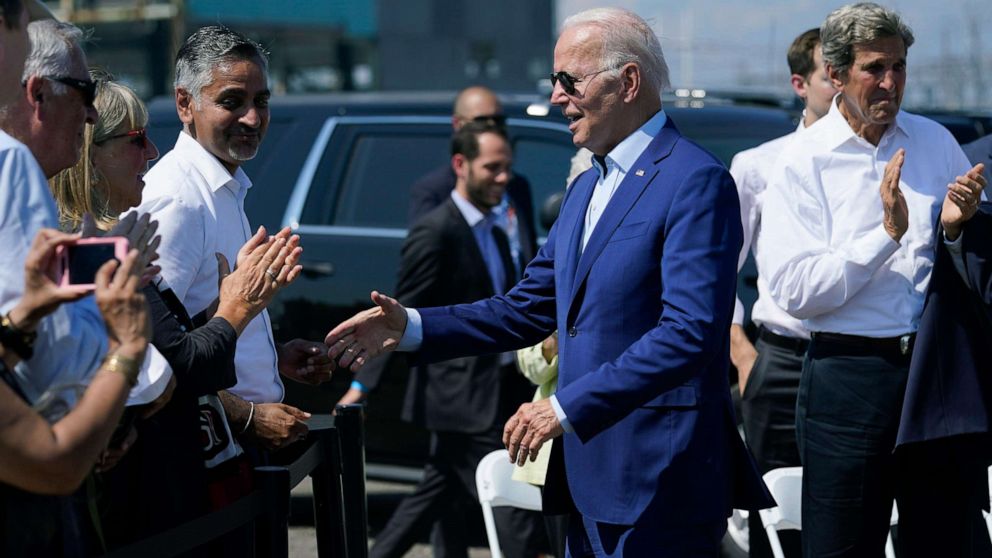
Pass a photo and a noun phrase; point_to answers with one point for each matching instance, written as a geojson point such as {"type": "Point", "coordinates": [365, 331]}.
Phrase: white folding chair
{"type": "Point", "coordinates": [786, 486]}
{"type": "Point", "coordinates": [988, 516]}
{"type": "Point", "coordinates": [493, 479]}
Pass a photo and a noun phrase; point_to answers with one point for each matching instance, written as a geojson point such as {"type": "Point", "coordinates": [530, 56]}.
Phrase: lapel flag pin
{"type": "Point", "coordinates": [639, 172]}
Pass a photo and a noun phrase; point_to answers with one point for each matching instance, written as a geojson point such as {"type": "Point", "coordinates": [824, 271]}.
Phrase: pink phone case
{"type": "Point", "coordinates": [64, 279]}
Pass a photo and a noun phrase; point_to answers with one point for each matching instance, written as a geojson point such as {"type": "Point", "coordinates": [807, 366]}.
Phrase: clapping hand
{"type": "Point", "coordinates": [367, 334]}
{"type": "Point", "coordinates": [961, 201]}
{"type": "Point", "coordinates": [896, 217]}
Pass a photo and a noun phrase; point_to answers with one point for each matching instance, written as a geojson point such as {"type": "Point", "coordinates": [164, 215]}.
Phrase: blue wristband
{"type": "Point", "coordinates": [355, 384]}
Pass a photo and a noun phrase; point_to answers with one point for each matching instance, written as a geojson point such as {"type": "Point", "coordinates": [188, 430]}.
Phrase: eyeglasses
{"type": "Point", "coordinates": [86, 87]}
{"type": "Point", "coordinates": [568, 81]}
{"type": "Point", "coordinates": [491, 119]}
{"type": "Point", "coordinates": [140, 137]}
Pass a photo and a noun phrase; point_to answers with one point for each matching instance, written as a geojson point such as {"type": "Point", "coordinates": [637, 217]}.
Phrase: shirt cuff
{"type": "Point", "coordinates": [413, 337]}
{"type": "Point", "coordinates": [954, 248]}
{"type": "Point", "coordinates": [738, 312]}
{"type": "Point", "coordinates": [562, 419]}
{"type": "Point", "coordinates": [355, 384]}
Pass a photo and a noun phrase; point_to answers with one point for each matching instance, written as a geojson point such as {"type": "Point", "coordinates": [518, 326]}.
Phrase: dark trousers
{"type": "Point", "coordinates": [768, 410]}
{"type": "Point", "coordinates": [592, 539]}
{"type": "Point", "coordinates": [847, 418]}
{"type": "Point", "coordinates": [449, 480]}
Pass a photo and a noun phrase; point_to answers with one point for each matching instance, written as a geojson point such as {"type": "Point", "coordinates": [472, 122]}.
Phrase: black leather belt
{"type": "Point", "coordinates": [901, 346]}
{"type": "Point", "coordinates": [795, 344]}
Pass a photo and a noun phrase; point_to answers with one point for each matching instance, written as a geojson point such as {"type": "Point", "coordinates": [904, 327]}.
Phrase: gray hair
{"type": "Point", "coordinates": [54, 48]}
{"type": "Point", "coordinates": [209, 48]}
{"type": "Point", "coordinates": [856, 24]}
{"type": "Point", "coordinates": [626, 38]}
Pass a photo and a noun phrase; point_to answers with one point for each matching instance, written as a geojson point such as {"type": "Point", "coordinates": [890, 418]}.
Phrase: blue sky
{"type": "Point", "coordinates": [728, 43]}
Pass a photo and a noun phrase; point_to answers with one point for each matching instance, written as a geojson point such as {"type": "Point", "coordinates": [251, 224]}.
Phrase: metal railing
{"type": "Point", "coordinates": [334, 460]}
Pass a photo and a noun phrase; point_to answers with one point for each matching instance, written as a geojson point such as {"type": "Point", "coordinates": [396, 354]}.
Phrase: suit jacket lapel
{"type": "Point", "coordinates": [622, 201]}
{"type": "Point", "coordinates": [583, 188]}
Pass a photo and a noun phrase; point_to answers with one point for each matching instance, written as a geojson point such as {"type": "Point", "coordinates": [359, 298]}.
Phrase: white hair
{"type": "Point", "coordinates": [626, 38]}
{"type": "Point", "coordinates": [54, 48]}
{"type": "Point", "coordinates": [209, 48]}
{"type": "Point", "coordinates": [856, 24]}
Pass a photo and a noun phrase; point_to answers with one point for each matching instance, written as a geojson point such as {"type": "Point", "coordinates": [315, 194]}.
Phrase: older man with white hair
{"type": "Point", "coordinates": [848, 246]}
{"type": "Point", "coordinates": [45, 120]}
{"type": "Point", "coordinates": [638, 276]}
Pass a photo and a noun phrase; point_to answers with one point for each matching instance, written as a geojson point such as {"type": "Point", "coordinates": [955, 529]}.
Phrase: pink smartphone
{"type": "Point", "coordinates": [79, 260]}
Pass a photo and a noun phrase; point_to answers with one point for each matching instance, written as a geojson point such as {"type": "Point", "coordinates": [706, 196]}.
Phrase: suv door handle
{"type": "Point", "coordinates": [314, 270]}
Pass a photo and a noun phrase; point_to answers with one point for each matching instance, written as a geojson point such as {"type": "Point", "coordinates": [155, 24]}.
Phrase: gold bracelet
{"type": "Point", "coordinates": [127, 366]}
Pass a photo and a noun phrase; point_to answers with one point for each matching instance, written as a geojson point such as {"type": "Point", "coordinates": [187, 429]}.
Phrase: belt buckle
{"type": "Point", "coordinates": [904, 344]}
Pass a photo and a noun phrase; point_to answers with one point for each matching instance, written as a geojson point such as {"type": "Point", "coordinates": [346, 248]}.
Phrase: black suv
{"type": "Point", "coordinates": [337, 168]}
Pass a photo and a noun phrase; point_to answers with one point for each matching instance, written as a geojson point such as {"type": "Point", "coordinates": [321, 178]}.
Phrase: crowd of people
{"type": "Point", "coordinates": [142, 400]}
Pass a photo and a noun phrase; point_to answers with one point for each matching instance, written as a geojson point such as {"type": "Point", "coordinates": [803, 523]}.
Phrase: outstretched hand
{"type": "Point", "coordinates": [961, 201]}
{"type": "Point", "coordinates": [367, 334]}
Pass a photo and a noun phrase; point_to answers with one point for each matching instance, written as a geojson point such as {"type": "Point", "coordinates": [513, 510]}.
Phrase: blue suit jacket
{"type": "Point", "coordinates": [949, 389]}
{"type": "Point", "coordinates": [643, 315]}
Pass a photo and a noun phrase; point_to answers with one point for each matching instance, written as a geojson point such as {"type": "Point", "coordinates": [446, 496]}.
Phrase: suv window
{"type": "Point", "coordinates": [368, 183]}
{"type": "Point", "coordinates": [544, 161]}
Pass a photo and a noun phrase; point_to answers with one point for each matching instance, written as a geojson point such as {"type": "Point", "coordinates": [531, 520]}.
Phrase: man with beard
{"type": "Point", "coordinates": [458, 253]}
{"type": "Point", "coordinates": [197, 192]}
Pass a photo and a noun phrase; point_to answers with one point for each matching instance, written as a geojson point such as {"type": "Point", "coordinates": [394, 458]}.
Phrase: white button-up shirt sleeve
{"type": "Point", "coordinates": [809, 273]}
{"type": "Point", "coordinates": [181, 253]}
{"type": "Point", "coordinates": [743, 171]}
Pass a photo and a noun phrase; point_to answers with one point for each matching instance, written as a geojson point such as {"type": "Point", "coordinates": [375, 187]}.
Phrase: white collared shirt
{"type": "Point", "coordinates": [823, 248]}
{"type": "Point", "coordinates": [200, 209]}
{"type": "Point", "coordinates": [750, 169]}
{"type": "Point", "coordinates": [617, 164]}
{"type": "Point", "coordinates": [72, 340]}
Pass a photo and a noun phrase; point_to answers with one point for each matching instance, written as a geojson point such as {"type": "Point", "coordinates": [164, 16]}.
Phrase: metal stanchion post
{"type": "Point", "coordinates": [328, 500]}
{"type": "Point", "coordinates": [272, 527]}
{"type": "Point", "coordinates": [350, 423]}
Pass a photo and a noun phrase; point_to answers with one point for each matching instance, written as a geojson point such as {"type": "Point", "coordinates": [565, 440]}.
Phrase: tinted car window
{"type": "Point", "coordinates": [545, 162]}
{"type": "Point", "coordinates": [382, 167]}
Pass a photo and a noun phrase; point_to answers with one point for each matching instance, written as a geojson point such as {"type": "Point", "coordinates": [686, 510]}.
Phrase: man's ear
{"type": "Point", "coordinates": [631, 81]}
{"type": "Point", "coordinates": [799, 84]}
{"type": "Point", "coordinates": [34, 92]}
{"type": "Point", "coordinates": [837, 78]}
{"type": "Point", "coordinates": [184, 106]}
{"type": "Point", "coordinates": [459, 164]}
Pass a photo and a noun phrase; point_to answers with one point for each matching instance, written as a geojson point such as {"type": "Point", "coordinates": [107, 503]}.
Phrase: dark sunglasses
{"type": "Point", "coordinates": [139, 137]}
{"type": "Point", "coordinates": [491, 119]}
{"type": "Point", "coordinates": [568, 81]}
{"type": "Point", "coordinates": [86, 87]}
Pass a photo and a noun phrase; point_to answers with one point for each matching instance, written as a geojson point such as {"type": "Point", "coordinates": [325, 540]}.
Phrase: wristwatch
{"type": "Point", "coordinates": [17, 340]}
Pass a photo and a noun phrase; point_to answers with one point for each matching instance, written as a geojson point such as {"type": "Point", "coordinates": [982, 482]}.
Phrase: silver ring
{"type": "Point", "coordinates": [271, 275]}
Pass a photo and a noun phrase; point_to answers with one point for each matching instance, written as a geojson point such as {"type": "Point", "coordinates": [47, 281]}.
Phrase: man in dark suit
{"type": "Point", "coordinates": [458, 253]}
{"type": "Point", "coordinates": [944, 431]}
{"type": "Point", "coordinates": [515, 211]}
{"type": "Point", "coordinates": [980, 151]}
{"type": "Point", "coordinates": [638, 275]}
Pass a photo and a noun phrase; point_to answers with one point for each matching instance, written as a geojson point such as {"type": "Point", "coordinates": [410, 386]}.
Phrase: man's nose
{"type": "Point", "coordinates": [252, 117]}
{"type": "Point", "coordinates": [558, 95]}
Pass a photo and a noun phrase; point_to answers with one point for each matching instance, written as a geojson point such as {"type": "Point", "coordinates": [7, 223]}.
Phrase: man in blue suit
{"type": "Point", "coordinates": [638, 275]}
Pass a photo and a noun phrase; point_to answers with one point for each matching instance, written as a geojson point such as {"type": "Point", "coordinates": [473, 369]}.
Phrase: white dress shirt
{"type": "Point", "coordinates": [618, 163]}
{"type": "Point", "coordinates": [823, 248]}
{"type": "Point", "coordinates": [200, 209]}
{"type": "Point", "coordinates": [72, 340]}
{"type": "Point", "coordinates": [750, 169]}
